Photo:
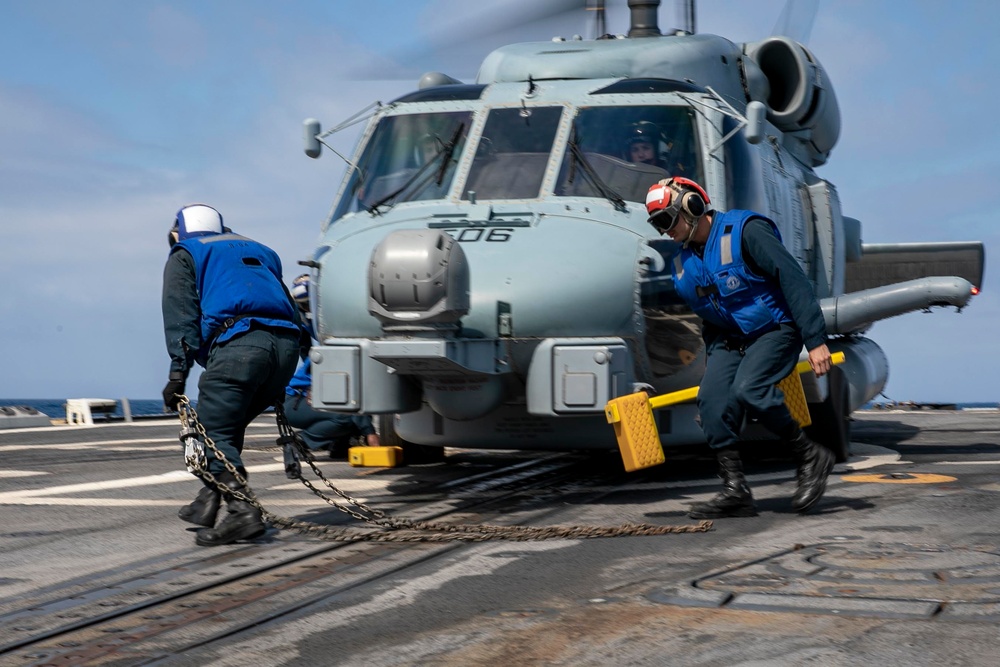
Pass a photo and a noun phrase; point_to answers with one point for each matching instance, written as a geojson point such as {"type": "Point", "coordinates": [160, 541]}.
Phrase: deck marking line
{"type": "Point", "coordinates": [149, 480]}
{"type": "Point", "coordinates": [900, 478]}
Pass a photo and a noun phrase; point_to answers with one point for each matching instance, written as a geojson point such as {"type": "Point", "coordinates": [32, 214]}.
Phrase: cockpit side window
{"type": "Point", "coordinates": [629, 148]}
{"type": "Point", "coordinates": [512, 153]}
{"type": "Point", "coordinates": [409, 157]}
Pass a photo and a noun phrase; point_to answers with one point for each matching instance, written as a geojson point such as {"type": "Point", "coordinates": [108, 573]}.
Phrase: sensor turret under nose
{"type": "Point", "coordinates": [418, 279]}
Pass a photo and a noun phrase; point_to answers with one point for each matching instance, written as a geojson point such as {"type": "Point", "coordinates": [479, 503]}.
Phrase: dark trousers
{"type": "Point", "coordinates": [740, 381]}
{"type": "Point", "coordinates": [243, 376]}
{"type": "Point", "coordinates": [324, 429]}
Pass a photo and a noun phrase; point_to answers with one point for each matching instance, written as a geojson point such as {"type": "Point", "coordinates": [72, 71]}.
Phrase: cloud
{"type": "Point", "coordinates": [89, 199]}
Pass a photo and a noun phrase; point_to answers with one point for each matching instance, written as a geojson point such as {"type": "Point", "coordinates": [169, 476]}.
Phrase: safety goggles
{"type": "Point", "coordinates": [666, 219]}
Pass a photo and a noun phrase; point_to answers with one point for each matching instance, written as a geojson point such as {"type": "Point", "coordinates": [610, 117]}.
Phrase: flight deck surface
{"type": "Point", "coordinates": [898, 564]}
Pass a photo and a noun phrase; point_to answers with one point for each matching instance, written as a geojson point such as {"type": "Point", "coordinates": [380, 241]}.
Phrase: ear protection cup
{"type": "Point", "coordinates": [691, 198]}
{"type": "Point", "coordinates": [692, 204]}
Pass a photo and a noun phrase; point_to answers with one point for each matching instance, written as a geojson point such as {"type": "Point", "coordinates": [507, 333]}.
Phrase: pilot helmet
{"type": "Point", "coordinates": [196, 220]}
{"type": "Point", "coordinates": [669, 198]}
{"type": "Point", "coordinates": [642, 131]}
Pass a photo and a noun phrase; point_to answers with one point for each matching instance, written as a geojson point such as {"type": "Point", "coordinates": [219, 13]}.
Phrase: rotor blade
{"type": "Point", "coordinates": [600, 25]}
{"type": "Point", "coordinates": [688, 16]}
{"type": "Point", "coordinates": [455, 37]}
{"type": "Point", "coordinates": [796, 20]}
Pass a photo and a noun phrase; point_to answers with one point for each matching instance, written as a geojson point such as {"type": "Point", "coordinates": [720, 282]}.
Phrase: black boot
{"type": "Point", "coordinates": [735, 498]}
{"type": "Point", "coordinates": [203, 510]}
{"type": "Point", "coordinates": [815, 464]}
{"type": "Point", "coordinates": [241, 522]}
{"type": "Point", "coordinates": [339, 448]}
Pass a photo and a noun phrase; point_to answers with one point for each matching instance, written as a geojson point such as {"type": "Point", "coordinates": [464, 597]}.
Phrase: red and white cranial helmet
{"type": "Point", "coordinates": [668, 198]}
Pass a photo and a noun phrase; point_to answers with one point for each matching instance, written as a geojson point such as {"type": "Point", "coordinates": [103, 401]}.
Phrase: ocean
{"type": "Point", "coordinates": [916, 405]}
{"type": "Point", "coordinates": [55, 408]}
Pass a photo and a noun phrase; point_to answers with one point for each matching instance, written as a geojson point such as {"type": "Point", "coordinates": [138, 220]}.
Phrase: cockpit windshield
{"type": "Point", "coordinates": [614, 152]}
{"type": "Point", "coordinates": [512, 153]}
{"type": "Point", "coordinates": [408, 158]}
{"type": "Point", "coordinates": [625, 149]}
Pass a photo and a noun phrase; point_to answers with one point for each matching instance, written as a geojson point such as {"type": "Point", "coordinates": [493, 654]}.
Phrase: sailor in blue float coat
{"type": "Point", "coordinates": [226, 308]}
{"type": "Point", "coordinates": [758, 310]}
{"type": "Point", "coordinates": [319, 429]}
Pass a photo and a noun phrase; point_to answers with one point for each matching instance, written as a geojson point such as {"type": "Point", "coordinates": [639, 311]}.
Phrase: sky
{"type": "Point", "coordinates": [115, 113]}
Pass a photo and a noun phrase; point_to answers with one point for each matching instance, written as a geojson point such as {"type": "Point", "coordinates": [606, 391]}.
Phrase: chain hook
{"type": "Point", "coordinates": [293, 450]}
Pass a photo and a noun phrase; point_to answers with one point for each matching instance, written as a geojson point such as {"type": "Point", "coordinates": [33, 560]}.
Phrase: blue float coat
{"type": "Point", "coordinates": [719, 285]}
{"type": "Point", "coordinates": [761, 252]}
{"type": "Point", "coordinates": [220, 279]}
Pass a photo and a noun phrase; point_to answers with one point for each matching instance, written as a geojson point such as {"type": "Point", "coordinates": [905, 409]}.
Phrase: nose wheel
{"type": "Point", "coordinates": [413, 454]}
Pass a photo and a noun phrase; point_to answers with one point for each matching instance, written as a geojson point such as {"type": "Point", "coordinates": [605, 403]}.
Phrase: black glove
{"type": "Point", "coordinates": [171, 394]}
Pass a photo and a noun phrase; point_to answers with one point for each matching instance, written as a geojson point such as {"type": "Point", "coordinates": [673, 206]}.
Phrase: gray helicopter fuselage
{"type": "Point", "coordinates": [488, 275]}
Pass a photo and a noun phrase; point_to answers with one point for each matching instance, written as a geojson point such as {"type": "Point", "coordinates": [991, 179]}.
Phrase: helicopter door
{"type": "Point", "coordinates": [828, 271]}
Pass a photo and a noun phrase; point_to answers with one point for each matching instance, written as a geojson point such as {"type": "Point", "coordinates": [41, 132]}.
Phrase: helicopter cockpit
{"type": "Point", "coordinates": [409, 157]}
{"type": "Point", "coordinates": [599, 155]}
{"type": "Point", "coordinates": [412, 157]}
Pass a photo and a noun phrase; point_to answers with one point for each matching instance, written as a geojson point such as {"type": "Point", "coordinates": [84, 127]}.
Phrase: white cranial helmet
{"type": "Point", "coordinates": [197, 220]}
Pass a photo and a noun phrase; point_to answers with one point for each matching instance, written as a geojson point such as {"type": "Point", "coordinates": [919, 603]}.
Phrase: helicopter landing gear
{"type": "Point", "coordinates": [831, 419]}
{"type": "Point", "coordinates": [412, 452]}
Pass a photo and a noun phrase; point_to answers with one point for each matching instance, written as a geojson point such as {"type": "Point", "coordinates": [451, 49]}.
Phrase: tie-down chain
{"type": "Point", "coordinates": [396, 529]}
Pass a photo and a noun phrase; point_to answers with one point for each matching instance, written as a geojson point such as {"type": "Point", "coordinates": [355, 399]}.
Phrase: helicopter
{"type": "Point", "coordinates": [487, 278]}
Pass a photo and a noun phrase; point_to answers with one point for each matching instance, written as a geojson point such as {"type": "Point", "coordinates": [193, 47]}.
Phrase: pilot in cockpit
{"type": "Point", "coordinates": [647, 144]}
{"type": "Point", "coordinates": [642, 145]}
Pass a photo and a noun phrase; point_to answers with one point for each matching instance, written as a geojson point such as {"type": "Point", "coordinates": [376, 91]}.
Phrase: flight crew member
{"type": "Point", "coordinates": [319, 429]}
{"type": "Point", "coordinates": [331, 431]}
{"type": "Point", "coordinates": [758, 310]}
{"type": "Point", "coordinates": [643, 143]}
{"type": "Point", "coordinates": [226, 308]}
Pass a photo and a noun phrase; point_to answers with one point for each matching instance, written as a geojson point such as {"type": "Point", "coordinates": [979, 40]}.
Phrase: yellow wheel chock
{"type": "Point", "coordinates": [375, 457]}
{"type": "Point", "coordinates": [635, 427]}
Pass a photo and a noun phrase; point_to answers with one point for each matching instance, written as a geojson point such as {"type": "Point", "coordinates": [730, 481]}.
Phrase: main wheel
{"type": "Point", "coordinates": [412, 452]}
{"type": "Point", "coordinates": [831, 419]}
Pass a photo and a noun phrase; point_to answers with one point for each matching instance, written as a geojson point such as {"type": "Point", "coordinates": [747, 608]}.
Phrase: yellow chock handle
{"type": "Point", "coordinates": [835, 358]}
{"type": "Point", "coordinates": [691, 393]}
{"type": "Point", "coordinates": [674, 397]}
